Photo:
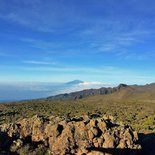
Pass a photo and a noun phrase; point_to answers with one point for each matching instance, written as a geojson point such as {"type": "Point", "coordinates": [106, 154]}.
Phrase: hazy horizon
{"type": "Point", "coordinates": [10, 92]}
{"type": "Point", "coordinates": [18, 91]}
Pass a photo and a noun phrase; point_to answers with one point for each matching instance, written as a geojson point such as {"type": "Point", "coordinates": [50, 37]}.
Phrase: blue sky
{"type": "Point", "coordinates": [109, 41]}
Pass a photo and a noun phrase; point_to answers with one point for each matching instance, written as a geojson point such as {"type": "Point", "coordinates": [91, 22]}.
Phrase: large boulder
{"type": "Point", "coordinates": [60, 136]}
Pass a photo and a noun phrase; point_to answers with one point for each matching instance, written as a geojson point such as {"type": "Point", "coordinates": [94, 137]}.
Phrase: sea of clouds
{"type": "Point", "coordinates": [22, 91]}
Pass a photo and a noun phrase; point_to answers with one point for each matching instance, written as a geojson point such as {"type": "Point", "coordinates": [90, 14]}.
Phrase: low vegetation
{"type": "Point", "coordinates": [139, 114]}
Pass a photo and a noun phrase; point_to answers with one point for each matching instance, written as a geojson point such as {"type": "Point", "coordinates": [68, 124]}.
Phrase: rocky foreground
{"type": "Point", "coordinates": [60, 136]}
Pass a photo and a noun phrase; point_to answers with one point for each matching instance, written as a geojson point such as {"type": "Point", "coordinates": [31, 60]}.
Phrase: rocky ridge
{"type": "Point", "coordinates": [87, 92]}
{"type": "Point", "coordinates": [90, 135]}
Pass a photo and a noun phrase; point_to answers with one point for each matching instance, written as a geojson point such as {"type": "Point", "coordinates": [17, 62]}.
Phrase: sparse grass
{"type": "Point", "coordinates": [139, 114]}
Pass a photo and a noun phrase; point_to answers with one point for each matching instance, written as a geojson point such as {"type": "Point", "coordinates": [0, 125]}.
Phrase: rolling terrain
{"type": "Point", "coordinates": [130, 105]}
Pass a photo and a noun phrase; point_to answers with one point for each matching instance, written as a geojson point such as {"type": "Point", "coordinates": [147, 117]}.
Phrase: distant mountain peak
{"type": "Point", "coordinates": [74, 82]}
{"type": "Point", "coordinates": [122, 85]}
{"type": "Point", "coordinates": [122, 91]}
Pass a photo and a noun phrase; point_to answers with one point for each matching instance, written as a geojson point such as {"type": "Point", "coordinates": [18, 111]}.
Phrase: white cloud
{"type": "Point", "coordinates": [39, 62]}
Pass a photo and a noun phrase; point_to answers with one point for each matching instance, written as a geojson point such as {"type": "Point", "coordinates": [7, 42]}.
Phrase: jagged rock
{"type": "Point", "coordinates": [60, 136]}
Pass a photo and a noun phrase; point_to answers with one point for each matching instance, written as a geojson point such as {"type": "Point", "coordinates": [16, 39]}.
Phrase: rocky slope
{"type": "Point", "coordinates": [87, 92]}
{"type": "Point", "coordinates": [123, 91]}
{"type": "Point", "coordinates": [60, 136]}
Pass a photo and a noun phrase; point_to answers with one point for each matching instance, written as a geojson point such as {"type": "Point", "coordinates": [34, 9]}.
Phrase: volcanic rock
{"type": "Point", "coordinates": [60, 136]}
